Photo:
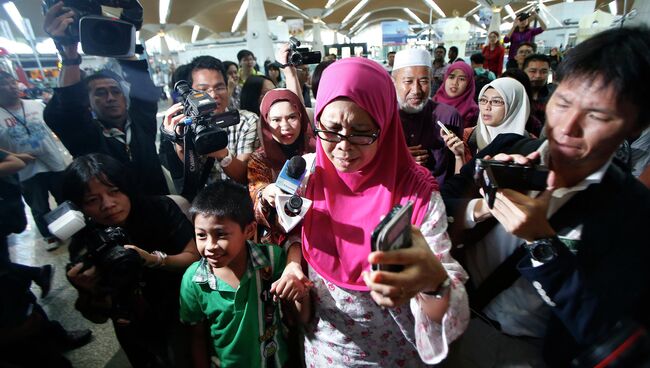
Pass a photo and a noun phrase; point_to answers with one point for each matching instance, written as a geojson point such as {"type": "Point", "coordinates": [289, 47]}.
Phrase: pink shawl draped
{"type": "Point", "coordinates": [348, 206]}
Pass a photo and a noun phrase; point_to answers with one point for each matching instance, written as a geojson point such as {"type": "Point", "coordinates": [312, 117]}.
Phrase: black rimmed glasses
{"type": "Point", "coordinates": [485, 101]}
{"type": "Point", "coordinates": [356, 139]}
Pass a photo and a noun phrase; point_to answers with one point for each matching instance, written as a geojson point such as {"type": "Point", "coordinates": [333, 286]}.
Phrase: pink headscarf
{"type": "Point", "coordinates": [348, 206]}
{"type": "Point", "coordinates": [464, 103]}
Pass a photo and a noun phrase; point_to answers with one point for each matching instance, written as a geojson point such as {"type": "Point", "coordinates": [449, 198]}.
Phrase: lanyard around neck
{"type": "Point", "coordinates": [23, 121]}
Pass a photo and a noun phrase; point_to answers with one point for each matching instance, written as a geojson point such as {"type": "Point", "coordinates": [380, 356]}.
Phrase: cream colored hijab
{"type": "Point", "coordinates": [517, 111]}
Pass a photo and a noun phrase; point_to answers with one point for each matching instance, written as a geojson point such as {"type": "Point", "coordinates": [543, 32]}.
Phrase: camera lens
{"type": "Point", "coordinates": [295, 58]}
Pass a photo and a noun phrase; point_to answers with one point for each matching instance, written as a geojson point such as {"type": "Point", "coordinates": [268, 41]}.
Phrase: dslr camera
{"type": "Point", "coordinates": [202, 125]}
{"type": "Point", "coordinates": [99, 35]}
{"type": "Point", "coordinates": [101, 247]}
{"type": "Point", "coordinates": [301, 55]}
{"type": "Point", "coordinates": [493, 175]}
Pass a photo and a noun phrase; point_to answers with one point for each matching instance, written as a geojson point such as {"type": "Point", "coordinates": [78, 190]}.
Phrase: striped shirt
{"type": "Point", "coordinates": [242, 139]}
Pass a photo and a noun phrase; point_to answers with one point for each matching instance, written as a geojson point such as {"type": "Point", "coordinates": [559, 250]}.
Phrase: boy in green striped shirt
{"type": "Point", "coordinates": [225, 296]}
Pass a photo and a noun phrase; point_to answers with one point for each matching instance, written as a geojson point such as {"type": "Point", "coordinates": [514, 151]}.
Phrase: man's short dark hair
{"type": "Point", "coordinates": [224, 199]}
{"type": "Point", "coordinates": [532, 45]}
{"type": "Point", "coordinates": [207, 62]}
{"type": "Point", "coordinates": [454, 48]}
{"type": "Point", "coordinates": [83, 169]}
{"type": "Point", "coordinates": [244, 53]}
{"type": "Point", "coordinates": [318, 72]}
{"type": "Point", "coordinates": [537, 57]}
{"type": "Point", "coordinates": [391, 53]}
{"type": "Point", "coordinates": [441, 47]}
{"type": "Point", "coordinates": [627, 70]}
{"type": "Point", "coordinates": [103, 74]}
{"type": "Point", "coordinates": [477, 58]}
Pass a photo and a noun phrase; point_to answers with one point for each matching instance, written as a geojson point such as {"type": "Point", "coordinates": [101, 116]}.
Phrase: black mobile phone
{"type": "Point", "coordinates": [392, 233]}
{"type": "Point", "coordinates": [492, 175]}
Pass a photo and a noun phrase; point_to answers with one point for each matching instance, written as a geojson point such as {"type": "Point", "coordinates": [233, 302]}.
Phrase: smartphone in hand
{"type": "Point", "coordinates": [392, 233]}
{"type": "Point", "coordinates": [444, 128]}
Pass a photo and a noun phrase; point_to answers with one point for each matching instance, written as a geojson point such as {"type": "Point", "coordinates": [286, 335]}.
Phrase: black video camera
{"type": "Point", "coordinates": [492, 175]}
{"type": "Point", "coordinates": [101, 35]}
{"type": "Point", "coordinates": [525, 15]}
{"type": "Point", "coordinates": [301, 55]}
{"type": "Point", "coordinates": [202, 125]}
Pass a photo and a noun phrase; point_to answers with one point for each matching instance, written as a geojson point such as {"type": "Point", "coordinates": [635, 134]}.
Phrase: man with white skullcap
{"type": "Point", "coordinates": [419, 114]}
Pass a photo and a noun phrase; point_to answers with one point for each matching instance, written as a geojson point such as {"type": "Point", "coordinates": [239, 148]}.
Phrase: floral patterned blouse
{"type": "Point", "coordinates": [349, 329]}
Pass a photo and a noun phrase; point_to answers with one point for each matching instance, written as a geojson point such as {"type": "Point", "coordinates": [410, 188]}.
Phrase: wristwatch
{"type": "Point", "coordinates": [224, 162]}
{"type": "Point", "coordinates": [440, 292]}
{"type": "Point", "coordinates": [543, 250]}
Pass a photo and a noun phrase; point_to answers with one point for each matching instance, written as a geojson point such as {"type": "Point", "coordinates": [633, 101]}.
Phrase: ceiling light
{"type": "Point", "coordinates": [412, 15]}
{"type": "Point", "coordinates": [15, 16]}
{"type": "Point", "coordinates": [358, 22]}
{"type": "Point", "coordinates": [476, 18]}
{"type": "Point", "coordinates": [163, 10]}
{"type": "Point", "coordinates": [195, 33]}
{"type": "Point", "coordinates": [613, 7]}
{"type": "Point", "coordinates": [329, 4]}
{"type": "Point", "coordinates": [279, 18]}
{"type": "Point", "coordinates": [432, 4]}
{"type": "Point", "coordinates": [291, 5]}
{"type": "Point", "coordinates": [474, 10]}
{"type": "Point", "coordinates": [511, 13]}
{"type": "Point", "coordinates": [354, 11]}
{"type": "Point", "coordinates": [240, 16]}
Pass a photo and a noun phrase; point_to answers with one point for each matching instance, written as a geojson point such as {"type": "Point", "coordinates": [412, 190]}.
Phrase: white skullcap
{"type": "Point", "coordinates": [412, 57]}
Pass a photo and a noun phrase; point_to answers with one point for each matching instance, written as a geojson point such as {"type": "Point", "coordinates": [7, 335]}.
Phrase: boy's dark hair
{"type": "Point", "coordinates": [532, 45]}
{"type": "Point", "coordinates": [98, 166]}
{"type": "Point", "coordinates": [102, 74]}
{"type": "Point", "coordinates": [627, 70]}
{"type": "Point", "coordinates": [318, 72]}
{"type": "Point", "coordinates": [206, 62]}
{"type": "Point", "coordinates": [249, 99]}
{"type": "Point", "coordinates": [244, 53]}
{"type": "Point", "coordinates": [224, 199]}
{"type": "Point", "coordinates": [537, 57]}
{"type": "Point", "coordinates": [477, 58]}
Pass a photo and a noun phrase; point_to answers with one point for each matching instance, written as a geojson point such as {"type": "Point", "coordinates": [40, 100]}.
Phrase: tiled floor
{"type": "Point", "coordinates": [103, 351]}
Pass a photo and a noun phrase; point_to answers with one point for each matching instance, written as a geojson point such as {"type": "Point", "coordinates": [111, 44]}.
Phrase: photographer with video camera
{"type": "Point", "coordinates": [554, 242]}
{"type": "Point", "coordinates": [128, 261]}
{"type": "Point", "coordinates": [207, 86]}
{"type": "Point", "coordinates": [94, 115]}
{"type": "Point", "coordinates": [293, 61]}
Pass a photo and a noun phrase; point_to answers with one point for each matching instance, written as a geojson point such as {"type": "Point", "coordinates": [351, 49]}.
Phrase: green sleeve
{"type": "Point", "coordinates": [190, 298]}
{"type": "Point", "coordinates": [280, 260]}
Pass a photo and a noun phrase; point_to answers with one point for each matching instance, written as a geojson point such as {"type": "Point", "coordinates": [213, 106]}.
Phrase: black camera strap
{"type": "Point", "coordinates": [195, 174]}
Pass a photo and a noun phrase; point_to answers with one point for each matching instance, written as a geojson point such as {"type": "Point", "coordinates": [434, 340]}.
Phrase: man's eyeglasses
{"type": "Point", "coordinates": [356, 139]}
{"type": "Point", "coordinates": [485, 101]}
{"type": "Point", "coordinates": [209, 91]}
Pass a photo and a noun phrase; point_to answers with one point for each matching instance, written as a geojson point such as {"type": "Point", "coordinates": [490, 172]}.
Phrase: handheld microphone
{"type": "Point", "coordinates": [291, 175]}
{"type": "Point", "coordinates": [290, 207]}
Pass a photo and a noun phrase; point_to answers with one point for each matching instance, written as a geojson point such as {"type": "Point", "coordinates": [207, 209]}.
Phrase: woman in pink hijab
{"type": "Point", "coordinates": [458, 89]}
{"type": "Point", "coordinates": [362, 168]}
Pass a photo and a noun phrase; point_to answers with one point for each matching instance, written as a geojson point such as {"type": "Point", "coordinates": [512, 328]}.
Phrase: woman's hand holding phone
{"type": "Point", "coordinates": [422, 272]}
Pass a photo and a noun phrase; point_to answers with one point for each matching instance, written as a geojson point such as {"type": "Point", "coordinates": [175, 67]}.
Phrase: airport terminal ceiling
{"type": "Point", "coordinates": [215, 17]}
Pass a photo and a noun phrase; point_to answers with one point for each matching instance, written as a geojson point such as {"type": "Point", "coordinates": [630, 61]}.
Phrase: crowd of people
{"type": "Point", "coordinates": [492, 276]}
